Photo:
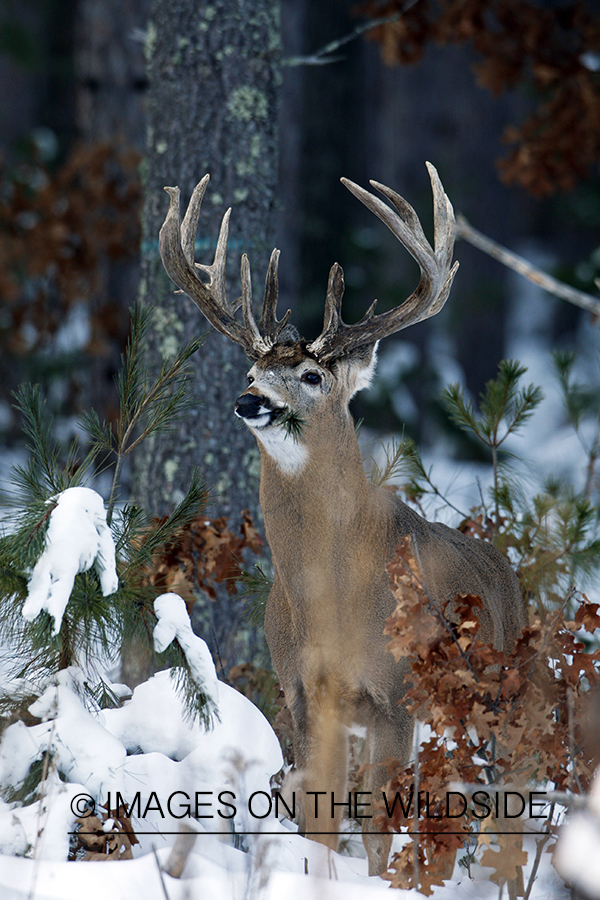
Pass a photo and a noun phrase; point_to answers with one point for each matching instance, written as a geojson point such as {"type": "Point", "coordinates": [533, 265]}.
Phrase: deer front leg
{"type": "Point", "coordinates": [389, 736]}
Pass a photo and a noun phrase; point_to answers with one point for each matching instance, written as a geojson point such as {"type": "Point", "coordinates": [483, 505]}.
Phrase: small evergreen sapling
{"type": "Point", "coordinates": [503, 408]}
{"type": "Point", "coordinates": [94, 627]}
{"type": "Point", "coordinates": [550, 537]}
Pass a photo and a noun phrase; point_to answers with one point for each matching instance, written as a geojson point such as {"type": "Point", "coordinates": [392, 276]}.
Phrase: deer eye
{"type": "Point", "coordinates": [311, 378]}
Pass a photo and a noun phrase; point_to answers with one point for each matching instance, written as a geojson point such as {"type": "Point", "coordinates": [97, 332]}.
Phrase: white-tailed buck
{"type": "Point", "coordinates": [331, 533]}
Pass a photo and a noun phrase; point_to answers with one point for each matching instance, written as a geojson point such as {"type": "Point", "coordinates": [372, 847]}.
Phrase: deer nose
{"type": "Point", "coordinates": [249, 406]}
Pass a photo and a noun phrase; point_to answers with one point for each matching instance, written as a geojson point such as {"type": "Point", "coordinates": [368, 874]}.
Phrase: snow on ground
{"type": "Point", "coordinates": [169, 770]}
{"type": "Point", "coordinates": [175, 762]}
{"type": "Point", "coordinates": [175, 768]}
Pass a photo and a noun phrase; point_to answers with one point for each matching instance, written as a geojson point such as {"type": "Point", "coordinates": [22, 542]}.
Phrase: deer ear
{"type": "Point", "coordinates": [357, 368]}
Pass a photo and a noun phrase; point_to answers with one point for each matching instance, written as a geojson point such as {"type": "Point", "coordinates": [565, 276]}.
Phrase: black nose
{"type": "Point", "coordinates": [249, 406]}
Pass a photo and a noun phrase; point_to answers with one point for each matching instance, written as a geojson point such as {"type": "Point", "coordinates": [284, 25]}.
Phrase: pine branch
{"type": "Point", "coordinates": [459, 409]}
{"type": "Point", "coordinates": [421, 481]}
{"type": "Point", "coordinates": [145, 542]}
{"type": "Point", "coordinates": [256, 586]}
{"type": "Point", "coordinates": [44, 475]}
{"type": "Point", "coordinates": [146, 408]}
{"type": "Point", "coordinates": [503, 404]}
{"type": "Point", "coordinates": [198, 705]}
{"type": "Point", "coordinates": [37, 427]}
{"type": "Point", "coordinates": [99, 433]}
{"type": "Point", "coordinates": [503, 409]}
{"type": "Point", "coordinates": [396, 455]}
{"type": "Point", "coordinates": [93, 624]}
{"type": "Point", "coordinates": [292, 422]}
{"type": "Point", "coordinates": [580, 402]}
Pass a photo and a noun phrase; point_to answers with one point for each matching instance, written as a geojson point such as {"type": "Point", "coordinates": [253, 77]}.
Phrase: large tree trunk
{"type": "Point", "coordinates": [212, 107]}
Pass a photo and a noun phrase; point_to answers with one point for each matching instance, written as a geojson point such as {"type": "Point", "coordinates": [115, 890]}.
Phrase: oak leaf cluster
{"type": "Point", "coordinates": [500, 722]}
{"type": "Point", "coordinates": [60, 227]}
{"type": "Point", "coordinates": [552, 50]}
{"type": "Point", "coordinates": [97, 841]}
{"type": "Point", "coordinates": [205, 555]}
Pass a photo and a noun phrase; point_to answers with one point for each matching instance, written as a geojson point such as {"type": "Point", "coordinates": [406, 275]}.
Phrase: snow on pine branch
{"type": "Point", "coordinates": [77, 539]}
{"type": "Point", "coordinates": [174, 622]}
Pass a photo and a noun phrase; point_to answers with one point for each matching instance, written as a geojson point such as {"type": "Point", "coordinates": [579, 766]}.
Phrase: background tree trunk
{"type": "Point", "coordinates": [212, 107]}
{"type": "Point", "coordinates": [110, 88]}
{"type": "Point", "coordinates": [110, 70]}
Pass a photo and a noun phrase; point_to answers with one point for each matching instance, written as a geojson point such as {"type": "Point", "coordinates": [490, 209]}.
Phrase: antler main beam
{"type": "Point", "coordinates": [176, 244]}
{"type": "Point", "coordinates": [338, 339]}
{"type": "Point", "coordinates": [177, 239]}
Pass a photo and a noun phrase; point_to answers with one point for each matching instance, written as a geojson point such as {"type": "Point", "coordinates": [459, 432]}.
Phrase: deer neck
{"type": "Point", "coordinates": [320, 510]}
{"type": "Point", "coordinates": [329, 530]}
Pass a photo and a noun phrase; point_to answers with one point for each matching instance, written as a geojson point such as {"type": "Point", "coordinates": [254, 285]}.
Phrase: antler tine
{"type": "Point", "coordinates": [176, 244]}
{"type": "Point", "coordinates": [337, 338]}
{"type": "Point", "coordinates": [189, 226]}
{"type": "Point", "coordinates": [332, 318]}
{"type": "Point", "coordinates": [270, 326]}
{"type": "Point", "coordinates": [443, 219]}
{"type": "Point", "coordinates": [216, 271]}
{"type": "Point", "coordinates": [246, 300]}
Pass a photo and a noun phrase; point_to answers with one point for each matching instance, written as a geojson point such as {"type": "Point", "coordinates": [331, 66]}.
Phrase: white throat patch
{"type": "Point", "coordinates": [290, 456]}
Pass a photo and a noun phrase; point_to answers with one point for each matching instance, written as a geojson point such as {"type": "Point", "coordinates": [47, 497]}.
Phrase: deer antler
{"type": "Point", "coordinates": [337, 339]}
{"type": "Point", "coordinates": [176, 243]}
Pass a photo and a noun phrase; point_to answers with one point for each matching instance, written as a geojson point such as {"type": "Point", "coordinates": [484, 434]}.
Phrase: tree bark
{"type": "Point", "coordinates": [214, 73]}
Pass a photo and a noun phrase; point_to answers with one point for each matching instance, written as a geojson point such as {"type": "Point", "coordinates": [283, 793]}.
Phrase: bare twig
{"type": "Point", "coordinates": [322, 57]}
{"type": "Point", "coordinates": [590, 473]}
{"type": "Point", "coordinates": [39, 829]}
{"type": "Point", "coordinates": [586, 301]}
{"type": "Point", "coordinates": [574, 776]}
{"type": "Point", "coordinates": [416, 745]}
{"type": "Point", "coordinates": [426, 476]}
{"type": "Point", "coordinates": [539, 849]}
{"type": "Point", "coordinates": [160, 872]}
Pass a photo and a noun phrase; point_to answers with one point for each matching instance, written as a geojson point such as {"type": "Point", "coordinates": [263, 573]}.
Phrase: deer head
{"type": "Point", "coordinates": [292, 377]}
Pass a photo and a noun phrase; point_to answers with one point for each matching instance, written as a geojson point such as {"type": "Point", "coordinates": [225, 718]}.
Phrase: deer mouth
{"type": "Point", "coordinates": [257, 411]}
{"type": "Point", "coordinates": [262, 421]}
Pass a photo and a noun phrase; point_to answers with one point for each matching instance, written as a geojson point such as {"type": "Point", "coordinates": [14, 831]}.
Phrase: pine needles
{"type": "Point", "coordinates": [503, 408]}
{"type": "Point", "coordinates": [145, 406]}
{"type": "Point", "coordinates": [551, 536]}
{"type": "Point", "coordinates": [255, 586]}
{"type": "Point", "coordinates": [292, 422]}
{"type": "Point", "coordinates": [95, 626]}
{"type": "Point", "coordinates": [48, 470]}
